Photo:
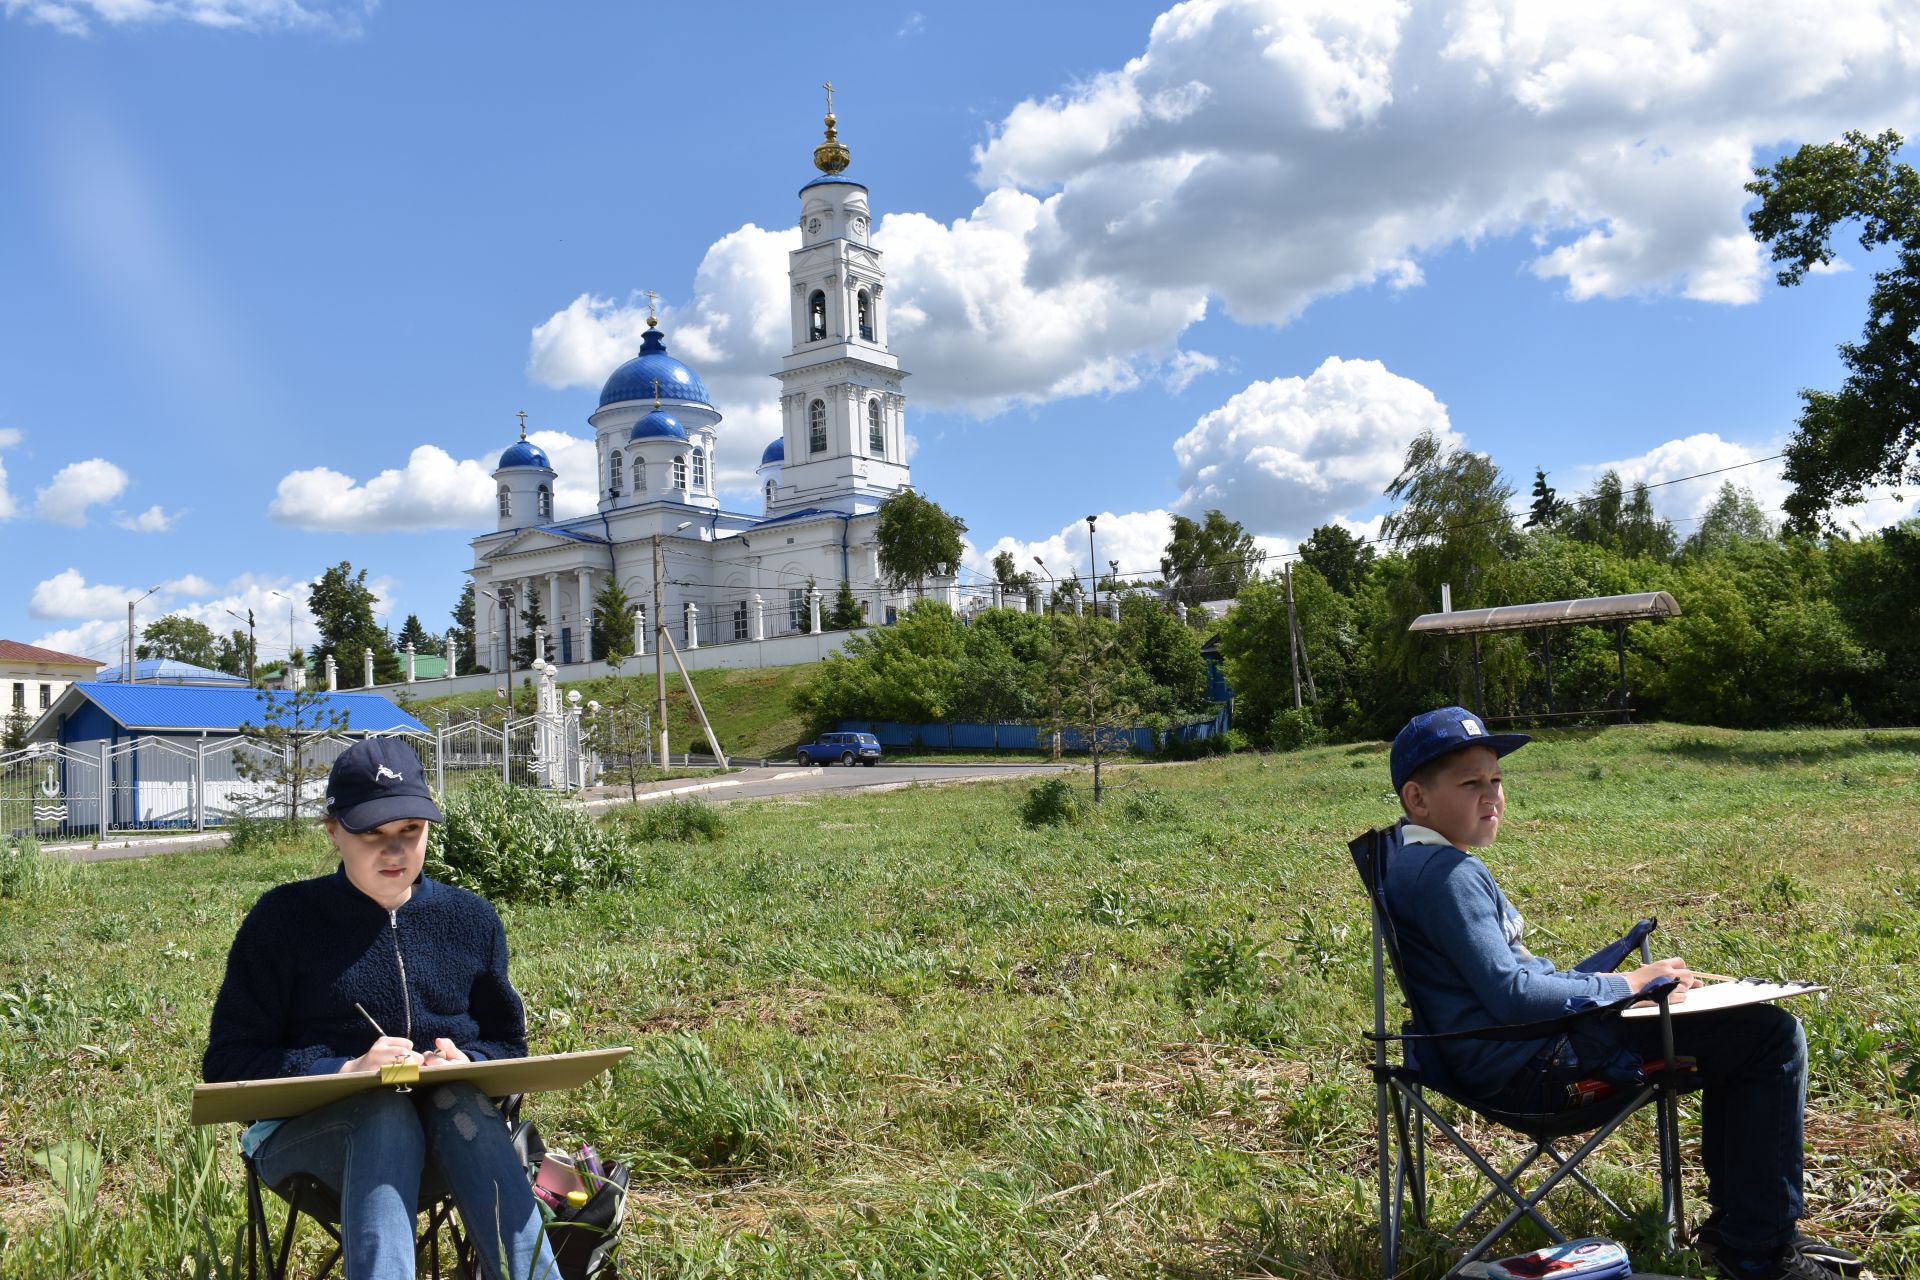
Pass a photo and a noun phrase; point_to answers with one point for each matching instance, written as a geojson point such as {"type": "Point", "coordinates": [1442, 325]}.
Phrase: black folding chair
{"type": "Point", "coordinates": [1402, 1110]}
{"type": "Point", "coordinates": [308, 1197]}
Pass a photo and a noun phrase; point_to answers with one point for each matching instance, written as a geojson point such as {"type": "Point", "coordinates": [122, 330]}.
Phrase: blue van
{"type": "Point", "coordinates": [847, 748]}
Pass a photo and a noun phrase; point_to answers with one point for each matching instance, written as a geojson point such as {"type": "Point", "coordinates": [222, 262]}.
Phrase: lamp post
{"type": "Point", "coordinates": [1093, 567]}
{"type": "Point", "coordinates": [287, 674]}
{"type": "Point", "coordinates": [249, 621]}
{"type": "Point", "coordinates": [132, 653]}
{"type": "Point", "coordinates": [659, 648]}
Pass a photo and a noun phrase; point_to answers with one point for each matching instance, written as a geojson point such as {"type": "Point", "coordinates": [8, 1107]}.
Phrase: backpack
{"type": "Point", "coordinates": [585, 1238]}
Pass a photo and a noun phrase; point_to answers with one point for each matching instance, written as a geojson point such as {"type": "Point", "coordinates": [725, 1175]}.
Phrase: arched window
{"type": "Point", "coordinates": [680, 471]}
{"type": "Point", "coordinates": [699, 469]}
{"type": "Point", "coordinates": [817, 427]}
{"type": "Point", "coordinates": [506, 501]}
{"type": "Point", "coordinates": [876, 434]}
{"type": "Point", "coordinates": [769, 493]}
{"type": "Point", "coordinates": [639, 475]}
{"type": "Point", "coordinates": [613, 472]}
{"type": "Point", "coordinates": [866, 317]}
{"type": "Point", "coordinates": [816, 316]}
{"type": "Point", "coordinates": [543, 502]}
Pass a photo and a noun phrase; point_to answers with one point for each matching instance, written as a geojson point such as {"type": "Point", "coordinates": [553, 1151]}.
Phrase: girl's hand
{"type": "Point", "coordinates": [1676, 968]}
{"type": "Point", "coordinates": [387, 1051]}
{"type": "Point", "coordinates": [445, 1053]}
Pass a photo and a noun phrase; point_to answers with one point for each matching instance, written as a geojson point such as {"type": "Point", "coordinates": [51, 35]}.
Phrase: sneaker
{"type": "Point", "coordinates": [1790, 1265]}
{"type": "Point", "coordinates": [1707, 1242]}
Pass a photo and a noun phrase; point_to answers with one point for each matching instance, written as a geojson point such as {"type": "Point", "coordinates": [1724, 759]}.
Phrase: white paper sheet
{"type": "Point", "coordinates": [1727, 995]}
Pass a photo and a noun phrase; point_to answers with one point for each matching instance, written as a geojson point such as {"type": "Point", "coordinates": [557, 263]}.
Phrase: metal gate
{"type": "Point", "coordinates": [50, 792]}
{"type": "Point", "coordinates": [152, 784]}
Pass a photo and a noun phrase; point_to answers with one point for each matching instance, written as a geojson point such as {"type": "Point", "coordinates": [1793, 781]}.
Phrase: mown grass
{"type": "Point", "coordinates": [748, 706]}
{"type": "Point", "coordinates": [907, 1035]}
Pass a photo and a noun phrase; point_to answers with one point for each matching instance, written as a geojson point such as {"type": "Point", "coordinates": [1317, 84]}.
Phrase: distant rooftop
{"type": "Point", "coordinates": [14, 651]}
{"type": "Point", "coordinates": [169, 671]}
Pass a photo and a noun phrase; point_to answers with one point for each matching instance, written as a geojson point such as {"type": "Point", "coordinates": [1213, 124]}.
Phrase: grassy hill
{"type": "Point", "coordinates": [903, 1035]}
{"type": "Point", "coordinates": [748, 706]}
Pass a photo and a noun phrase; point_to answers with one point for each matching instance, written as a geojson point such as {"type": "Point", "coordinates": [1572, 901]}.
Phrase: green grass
{"type": "Point", "coordinates": [748, 706]}
{"type": "Point", "coordinates": [906, 1035]}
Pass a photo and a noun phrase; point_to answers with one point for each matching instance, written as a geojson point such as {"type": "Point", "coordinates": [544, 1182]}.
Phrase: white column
{"type": "Point", "coordinates": [813, 609]}
{"type": "Point", "coordinates": [640, 631]}
{"type": "Point", "coordinates": [539, 645]}
{"type": "Point", "coordinates": [693, 625]}
{"type": "Point", "coordinates": [333, 675]}
{"type": "Point", "coordinates": [586, 618]}
{"type": "Point", "coordinates": [759, 618]}
{"type": "Point", "coordinates": [453, 656]}
{"type": "Point", "coordinates": [366, 668]}
{"type": "Point", "coordinates": [1113, 607]}
{"type": "Point", "coordinates": [1180, 612]}
{"type": "Point", "coordinates": [410, 657]}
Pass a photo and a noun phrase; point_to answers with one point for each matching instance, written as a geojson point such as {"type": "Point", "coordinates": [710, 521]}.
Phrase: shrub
{"type": "Point", "coordinates": [1219, 962]}
{"type": "Point", "coordinates": [28, 871]}
{"type": "Point", "coordinates": [1050, 802]}
{"type": "Point", "coordinates": [255, 835]}
{"type": "Point", "coordinates": [1295, 728]}
{"type": "Point", "coordinates": [681, 818]}
{"type": "Point", "coordinates": [1149, 807]}
{"type": "Point", "coordinates": [699, 1117]}
{"type": "Point", "coordinates": [517, 844]}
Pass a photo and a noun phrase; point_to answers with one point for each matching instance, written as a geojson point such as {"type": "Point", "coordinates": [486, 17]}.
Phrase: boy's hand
{"type": "Point", "coordinates": [1676, 968]}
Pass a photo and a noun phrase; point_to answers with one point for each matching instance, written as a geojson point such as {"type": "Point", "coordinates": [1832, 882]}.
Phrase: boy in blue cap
{"type": "Point", "coordinates": [1461, 942]}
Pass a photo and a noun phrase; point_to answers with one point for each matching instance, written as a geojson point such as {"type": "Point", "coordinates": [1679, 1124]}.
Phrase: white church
{"type": "Point", "coordinates": [726, 576]}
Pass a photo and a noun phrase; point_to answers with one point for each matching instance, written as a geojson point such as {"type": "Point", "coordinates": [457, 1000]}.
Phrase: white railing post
{"type": "Point", "coordinates": [106, 784]}
{"type": "Point", "coordinates": [200, 784]}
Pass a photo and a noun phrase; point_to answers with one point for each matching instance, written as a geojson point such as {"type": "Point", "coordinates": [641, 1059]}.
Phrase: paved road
{"type": "Point", "coordinates": [756, 783]}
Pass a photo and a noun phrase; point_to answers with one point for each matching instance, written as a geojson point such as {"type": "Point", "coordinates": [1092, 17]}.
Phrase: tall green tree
{"type": "Point", "coordinates": [414, 633]}
{"type": "Point", "coordinates": [281, 749]}
{"type": "Point", "coordinates": [1547, 510]}
{"type": "Point", "coordinates": [467, 655]}
{"type": "Point", "coordinates": [1338, 555]}
{"type": "Point", "coordinates": [180, 638]}
{"type": "Point", "coordinates": [1208, 559]}
{"type": "Point", "coordinates": [845, 614]}
{"type": "Point", "coordinates": [342, 606]}
{"type": "Point", "coordinates": [1867, 432]}
{"type": "Point", "coordinates": [1734, 517]}
{"type": "Point", "coordinates": [1611, 517]}
{"type": "Point", "coordinates": [532, 617]}
{"type": "Point", "coordinates": [235, 654]}
{"type": "Point", "coordinates": [613, 615]}
{"type": "Point", "coordinates": [917, 539]}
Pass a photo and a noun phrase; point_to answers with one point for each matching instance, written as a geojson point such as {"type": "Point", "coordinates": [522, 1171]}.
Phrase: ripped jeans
{"type": "Point", "coordinates": [376, 1148]}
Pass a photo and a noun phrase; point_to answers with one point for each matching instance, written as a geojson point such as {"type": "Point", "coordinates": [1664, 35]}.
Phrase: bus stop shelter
{"type": "Point", "coordinates": [1594, 611]}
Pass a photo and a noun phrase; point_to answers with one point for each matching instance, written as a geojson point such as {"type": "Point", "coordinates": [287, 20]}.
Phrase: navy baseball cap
{"type": "Point", "coordinates": [376, 781]}
{"type": "Point", "coordinates": [1433, 734]}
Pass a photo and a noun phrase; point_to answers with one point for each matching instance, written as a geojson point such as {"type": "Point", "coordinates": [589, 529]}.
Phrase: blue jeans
{"type": "Point", "coordinates": [1753, 1068]}
{"type": "Point", "coordinates": [374, 1149]}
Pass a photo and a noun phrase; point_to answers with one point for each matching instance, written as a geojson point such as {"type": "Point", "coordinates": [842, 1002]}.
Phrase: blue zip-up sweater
{"type": "Point", "coordinates": [308, 950]}
{"type": "Point", "coordinates": [1460, 947]}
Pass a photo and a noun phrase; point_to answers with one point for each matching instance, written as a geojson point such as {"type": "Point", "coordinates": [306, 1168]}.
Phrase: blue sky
{"type": "Point", "coordinates": [256, 253]}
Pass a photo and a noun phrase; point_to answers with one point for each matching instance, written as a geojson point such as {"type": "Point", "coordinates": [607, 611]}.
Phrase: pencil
{"type": "Point", "coordinates": [1712, 977]}
{"type": "Point", "coordinates": [369, 1017]}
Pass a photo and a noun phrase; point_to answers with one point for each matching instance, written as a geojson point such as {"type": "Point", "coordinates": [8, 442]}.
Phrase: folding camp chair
{"type": "Point", "coordinates": [308, 1197]}
{"type": "Point", "coordinates": [1403, 1112]}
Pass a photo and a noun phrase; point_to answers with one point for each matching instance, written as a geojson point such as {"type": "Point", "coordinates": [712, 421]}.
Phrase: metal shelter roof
{"type": "Point", "coordinates": [163, 708]}
{"type": "Point", "coordinates": [1592, 611]}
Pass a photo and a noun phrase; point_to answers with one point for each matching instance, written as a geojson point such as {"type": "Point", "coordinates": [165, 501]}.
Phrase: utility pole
{"type": "Point", "coordinates": [659, 658]}
{"type": "Point", "coordinates": [1293, 638]}
{"type": "Point", "coordinates": [1093, 571]}
{"type": "Point", "coordinates": [249, 646]}
{"type": "Point", "coordinates": [1053, 661]}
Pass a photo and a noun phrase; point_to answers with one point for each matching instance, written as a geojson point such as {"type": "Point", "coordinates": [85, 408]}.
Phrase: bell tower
{"type": "Point", "coordinates": [842, 414]}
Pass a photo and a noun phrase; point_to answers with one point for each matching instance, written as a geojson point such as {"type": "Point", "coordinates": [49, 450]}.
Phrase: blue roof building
{"type": "Point", "coordinates": [170, 671]}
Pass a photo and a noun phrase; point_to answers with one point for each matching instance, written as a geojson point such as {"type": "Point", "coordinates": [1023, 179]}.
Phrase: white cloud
{"type": "Point", "coordinates": [155, 519]}
{"type": "Point", "coordinates": [1134, 538]}
{"type": "Point", "coordinates": [1290, 453]}
{"type": "Point", "coordinates": [102, 611]}
{"type": "Point", "coordinates": [433, 491]}
{"type": "Point", "coordinates": [1690, 456]}
{"type": "Point", "coordinates": [9, 437]}
{"type": "Point", "coordinates": [77, 17]}
{"type": "Point", "coordinates": [77, 486]}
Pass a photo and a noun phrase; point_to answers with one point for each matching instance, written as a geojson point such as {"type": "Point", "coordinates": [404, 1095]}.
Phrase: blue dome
{"type": "Point", "coordinates": [832, 179]}
{"type": "Point", "coordinates": [524, 454]}
{"type": "Point", "coordinates": [658, 425]}
{"type": "Point", "coordinates": [776, 452]}
{"type": "Point", "coordinates": [634, 380]}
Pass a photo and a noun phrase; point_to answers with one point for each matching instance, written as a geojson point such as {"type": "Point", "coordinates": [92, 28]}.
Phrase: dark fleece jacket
{"type": "Point", "coordinates": [308, 950]}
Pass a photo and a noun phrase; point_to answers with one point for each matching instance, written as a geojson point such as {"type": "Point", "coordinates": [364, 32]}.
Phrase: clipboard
{"type": "Point", "coordinates": [1728, 995]}
{"type": "Point", "coordinates": [277, 1099]}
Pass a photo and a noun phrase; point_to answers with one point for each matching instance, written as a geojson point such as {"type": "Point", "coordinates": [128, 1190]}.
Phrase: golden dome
{"type": "Point", "coordinates": [832, 155]}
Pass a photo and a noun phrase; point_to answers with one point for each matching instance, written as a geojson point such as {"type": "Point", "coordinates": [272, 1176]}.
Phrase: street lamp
{"type": "Point", "coordinates": [288, 673]}
{"type": "Point", "coordinates": [132, 655]}
{"type": "Point", "coordinates": [1053, 661]}
{"type": "Point", "coordinates": [249, 621]}
{"type": "Point", "coordinates": [1093, 566]}
{"type": "Point", "coordinates": [659, 645]}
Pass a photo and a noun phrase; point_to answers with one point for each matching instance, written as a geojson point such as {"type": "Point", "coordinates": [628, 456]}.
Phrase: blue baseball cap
{"type": "Point", "coordinates": [1433, 734]}
{"type": "Point", "coordinates": [376, 781]}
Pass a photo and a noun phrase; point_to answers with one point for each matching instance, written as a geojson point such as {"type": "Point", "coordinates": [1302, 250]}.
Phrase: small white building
{"type": "Point", "coordinates": [725, 575]}
{"type": "Point", "coordinates": [32, 679]}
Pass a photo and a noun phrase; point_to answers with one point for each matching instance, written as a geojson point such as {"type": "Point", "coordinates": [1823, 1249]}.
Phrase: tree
{"type": "Point", "coordinates": [280, 747]}
{"type": "Point", "coordinates": [613, 615]}
{"type": "Point", "coordinates": [1608, 517]}
{"type": "Point", "coordinates": [531, 618]}
{"type": "Point", "coordinates": [917, 539]}
{"type": "Point", "coordinates": [467, 653]}
{"type": "Point", "coordinates": [1209, 559]}
{"type": "Point", "coordinates": [1011, 579]}
{"type": "Point", "coordinates": [1338, 555]}
{"type": "Point", "coordinates": [235, 654]}
{"type": "Point", "coordinates": [413, 633]}
{"type": "Point", "coordinates": [1868, 432]}
{"type": "Point", "coordinates": [1733, 517]}
{"type": "Point", "coordinates": [13, 730]}
{"type": "Point", "coordinates": [845, 614]}
{"type": "Point", "coordinates": [1094, 697]}
{"type": "Point", "coordinates": [180, 638]}
{"type": "Point", "coordinates": [342, 608]}
{"type": "Point", "coordinates": [1548, 510]}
